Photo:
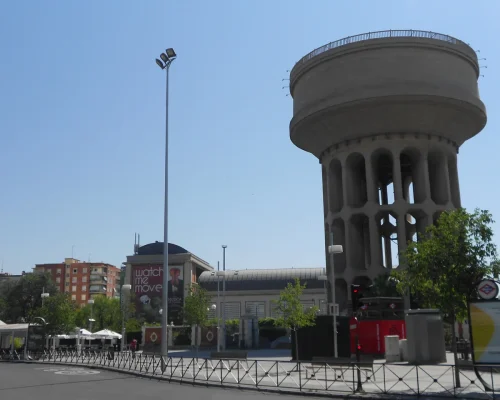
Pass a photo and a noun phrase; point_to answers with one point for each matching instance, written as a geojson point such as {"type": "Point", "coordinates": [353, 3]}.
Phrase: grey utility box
{"type": "Point", "coordinates": [425, 336]}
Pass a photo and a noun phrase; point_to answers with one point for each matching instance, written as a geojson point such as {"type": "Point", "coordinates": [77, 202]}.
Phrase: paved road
{"type": "Point", "coordinates": [49, 382]}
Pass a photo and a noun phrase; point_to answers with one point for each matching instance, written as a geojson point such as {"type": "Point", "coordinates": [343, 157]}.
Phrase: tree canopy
{"type": "Point", "coordinates": [196, 306]}
{"type": "Point", "coordinates": [445, 265]}
{"type": "Point", "coordinates": [290, 310]}
{"type": "Point", "coordinates": [22, 299]}
{"type": "Point", "coordinates": [59, 313]}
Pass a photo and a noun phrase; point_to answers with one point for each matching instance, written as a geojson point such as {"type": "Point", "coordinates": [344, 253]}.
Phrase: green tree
{"type": "Point", "coordinates": [196, 308]}
{"type": "Point", "coordinates": [59, 314]}
{"type": "Point", "coordinates": [24, 297]}
{"type": "Point", "coordinates": [133, 325]}
{"type": "Point", "coordinates": [291, 313]}
{"type": "Point", "coordinates": [105, 311]}
{"type": "Point", "coordinates": [444, 266]}
{"type": "Point", "coordinates": [384, 286]}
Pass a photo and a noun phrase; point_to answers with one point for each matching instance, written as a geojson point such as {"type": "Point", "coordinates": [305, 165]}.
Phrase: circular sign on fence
{"type": "Point", "coordinates": [153, 337]}
{"type": "Point", "coordinates": [487, 289]}
{"type": "Point", "coordinates": [210, 336]}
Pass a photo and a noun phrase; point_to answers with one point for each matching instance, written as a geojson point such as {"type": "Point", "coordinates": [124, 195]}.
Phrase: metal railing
{"type": "Point", "coordinates": [374, 379]}
{"type": "Point", "coordinates": [379, 35]}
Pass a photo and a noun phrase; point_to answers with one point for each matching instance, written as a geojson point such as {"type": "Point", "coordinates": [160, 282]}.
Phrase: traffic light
{"type": "Point", "coordinates": [355, 293]}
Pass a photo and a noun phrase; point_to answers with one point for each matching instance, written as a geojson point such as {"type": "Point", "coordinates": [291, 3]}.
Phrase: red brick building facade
{"type": "Point", "coordinates": [83, 280]}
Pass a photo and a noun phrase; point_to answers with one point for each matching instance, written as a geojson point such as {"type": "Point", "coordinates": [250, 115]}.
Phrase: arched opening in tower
{"type": "Point", "coordinates": [437, 165]}
{"type": "Point", "coordinates": [412, 175]}
{"type": "Point", "coordinates": [360, 239]}
{"type": "Point", "coordinates": [335, 189]}
{"type": "Point", "coordinates": [324, 180]}
{"type": "Point", "coordinates": [338, 232]}
{"type": "Point", "coordinates": [454, 185]}
{"type": "Point", "coordinates": [388, 234]}
{"type": "Point", "coordinates": [356, 180]}
{"type": "Point", "coordinates": [382, 163]}
{"type": "Point", "coordinates": [435, 217]}
{"type": "Point", "coordinates": [415, 225]}
{"type": "Point", "coordinates": [341, 294]}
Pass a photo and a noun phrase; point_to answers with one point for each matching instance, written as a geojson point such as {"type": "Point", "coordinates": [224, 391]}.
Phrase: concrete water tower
{"type": "Point", "coordinates": [385, 113]}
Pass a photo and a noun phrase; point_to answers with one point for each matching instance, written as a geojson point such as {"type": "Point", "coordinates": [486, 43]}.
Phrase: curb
{"type": "Point", "coordinates": [335, 395]}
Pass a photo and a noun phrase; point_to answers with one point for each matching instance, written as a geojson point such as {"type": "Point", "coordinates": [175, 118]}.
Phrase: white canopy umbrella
{"type": "Point", "coordinates": [106, 334]}
{"type": "Point", "coordinates": [85, 332]}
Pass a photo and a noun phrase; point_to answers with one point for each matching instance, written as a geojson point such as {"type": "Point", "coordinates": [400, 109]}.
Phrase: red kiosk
{"type": "Point", "coordinates": [376, 318]}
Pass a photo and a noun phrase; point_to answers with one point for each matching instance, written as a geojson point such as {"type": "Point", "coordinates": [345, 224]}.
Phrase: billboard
{"type": "Point", "coordinates": [147, 286]}
{"type": "Point", "coordinates": [485, 323]}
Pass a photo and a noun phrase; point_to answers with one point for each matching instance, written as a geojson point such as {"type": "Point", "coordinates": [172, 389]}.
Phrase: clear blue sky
{"type": "Point", "coordinates": [82, 124]}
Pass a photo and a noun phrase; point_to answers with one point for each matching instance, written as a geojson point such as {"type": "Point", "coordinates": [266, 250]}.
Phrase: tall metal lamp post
{"type": "Point", "coordinates": [334, 249]}
{"type": "Point", "coordinates": [224, 247]}
{"type": "Point", "coordinates": [125, 288]}
{"type": "Point", "coordinates": [166, 61]}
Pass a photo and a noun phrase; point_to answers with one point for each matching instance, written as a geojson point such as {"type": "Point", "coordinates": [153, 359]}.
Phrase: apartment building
{"type": "Point", "coordinates": [83, 280]}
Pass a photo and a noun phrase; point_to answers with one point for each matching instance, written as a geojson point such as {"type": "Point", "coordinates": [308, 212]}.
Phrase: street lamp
{"type": "Point", "coordinates": [91, 319]}
{"type": "Point", "coordinates": [27, 336]}
{"type": "Point", "coordinates": [334, 249]}
{"type": "Point", "coordinates": [213, 307]}
{"type": "Point", "coordinates": [224, 247]}
{"type": "Point", "coordinates": [44, 296]}
{"type": "Point", "coordinates": [124, 310]}
{"type": "Point", "coordinates": [166, 61]}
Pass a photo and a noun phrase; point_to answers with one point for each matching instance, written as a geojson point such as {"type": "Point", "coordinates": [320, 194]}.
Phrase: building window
{"type": "Point", "coordinates": [58, 280]}
{"type": "Point", "coordinates": [84, 270]}
{"type": "Point", "coordinates": [74, 279]}
{"type": "Point", "coordinates": [232, 310]}
{"type": "Point", "coordinates": [66, 284]}
{"type": "Point", "coordinates": [256, 308]}
{"type": "Point", "coordinates": [75, 271]}
{"type": "Point", "coordinates": [67, 265]}
{"type": "Point", "coordinates": [67, 274]}
{"type": "Point", "coordinates": [73, 297]}
{"type": "Point", "coordinates": [84, 297]}
{"type": "Point", "coordinates": [84, 279]}
{"type": "Point", "coordinates": [73, 288]}
{"type": "Point", "coordinates": [58, 271]}
{"type": "Point", "coordinates": [84, 288]}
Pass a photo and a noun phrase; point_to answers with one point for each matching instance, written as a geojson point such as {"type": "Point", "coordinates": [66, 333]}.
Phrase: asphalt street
{"type": "Point", "coordinates": [52, 382]}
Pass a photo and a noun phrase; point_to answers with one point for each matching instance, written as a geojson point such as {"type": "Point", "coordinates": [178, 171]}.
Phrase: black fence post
{"type": "Point", "coordinates": [358, 359]}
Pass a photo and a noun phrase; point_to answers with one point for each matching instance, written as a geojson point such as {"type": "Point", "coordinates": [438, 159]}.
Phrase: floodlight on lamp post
{"type": "Point", "coordinates": [44, 296]}
{"type": "Point", "coordinates": [124, 288]}
{"type": "Point", "coordinates": [166, 61]}
{"type": "Point", "coordinates": [334, 249]}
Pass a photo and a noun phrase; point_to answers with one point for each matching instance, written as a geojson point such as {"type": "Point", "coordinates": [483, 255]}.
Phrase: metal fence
{"type": "Point", "coordinates": [379, 35]}
{"type": "Point", "coordinates": [374, 379]}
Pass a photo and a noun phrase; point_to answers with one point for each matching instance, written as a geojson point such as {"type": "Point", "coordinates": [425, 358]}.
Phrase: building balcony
{"type": "Point", "coordinates": [97, 289]}
{"type": "Point", "coordinates": [98, 279]}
